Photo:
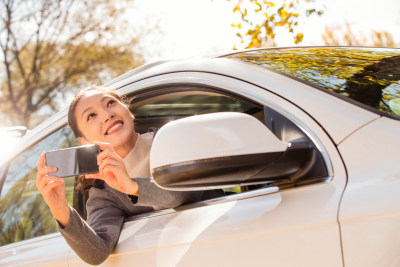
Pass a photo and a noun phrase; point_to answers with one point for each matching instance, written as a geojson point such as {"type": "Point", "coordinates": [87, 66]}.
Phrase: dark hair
{"type": "Point", "coordinates": [84, 184]}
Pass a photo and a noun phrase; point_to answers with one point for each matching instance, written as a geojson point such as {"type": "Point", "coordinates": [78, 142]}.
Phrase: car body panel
{"type": "Point", "coordinates": [30, 252]}
{"type": "Point", "coordinates": [370, 209]}
{"type": "Point", "coordinates": [255, 231]}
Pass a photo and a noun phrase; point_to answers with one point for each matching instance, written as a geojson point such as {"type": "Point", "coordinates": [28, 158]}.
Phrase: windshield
{"type": "Point", "coordinates": [367, 75]}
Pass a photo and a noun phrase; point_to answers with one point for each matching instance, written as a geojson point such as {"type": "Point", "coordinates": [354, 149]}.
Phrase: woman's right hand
{"type": "Point", "coordinates": [52, 189]}
{"type": "Point", "coordinates": [112, 170]}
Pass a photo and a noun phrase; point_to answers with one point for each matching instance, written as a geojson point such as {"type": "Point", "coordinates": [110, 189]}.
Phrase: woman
{"type": "Point", "coordinates": [98, 115]}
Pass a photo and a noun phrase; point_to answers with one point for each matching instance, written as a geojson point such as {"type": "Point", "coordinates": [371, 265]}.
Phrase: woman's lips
{"type": "Point", "coordinates": [115, 126]}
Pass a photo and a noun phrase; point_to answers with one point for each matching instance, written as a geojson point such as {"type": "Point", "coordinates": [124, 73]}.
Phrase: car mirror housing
{"type": "Point", "coordinates": [223, 149]}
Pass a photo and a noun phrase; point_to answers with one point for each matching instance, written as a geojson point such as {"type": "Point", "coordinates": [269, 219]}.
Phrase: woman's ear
{"type": "Point", "coordinates": [83, 140]}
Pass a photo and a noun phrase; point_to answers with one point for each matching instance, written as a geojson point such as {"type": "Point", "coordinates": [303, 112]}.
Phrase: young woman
{"type": "Point", "coordinates": [121, 188]}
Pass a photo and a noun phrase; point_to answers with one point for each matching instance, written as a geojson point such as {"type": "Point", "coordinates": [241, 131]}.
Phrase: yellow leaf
{"type": "Point", "coordinates": [282, 13]}
{"type": "Point", "coordinates": [298, 38]}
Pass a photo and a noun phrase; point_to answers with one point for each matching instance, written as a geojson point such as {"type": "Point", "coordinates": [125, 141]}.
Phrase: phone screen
{"type": "Point", "coordinates": [73, 161]}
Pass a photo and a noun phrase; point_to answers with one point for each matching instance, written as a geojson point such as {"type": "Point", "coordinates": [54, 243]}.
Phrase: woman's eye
{"type": "Point", "coordinates": [91, 116]}
{"type": "Point", "coordinates": [112, 101]}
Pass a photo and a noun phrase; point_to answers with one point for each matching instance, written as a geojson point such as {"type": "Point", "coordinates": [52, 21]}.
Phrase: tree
{"type": "Point", "coordinates": [50, 47]}
{"type": "Point", "coordinates": [334, 36]}
{"type": "Point", "coordinates": [260, 19]}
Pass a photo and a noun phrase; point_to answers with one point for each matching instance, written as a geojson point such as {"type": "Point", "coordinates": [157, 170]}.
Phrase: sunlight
{"type": "Point", "coordinates": [187, 28]}
{"type": "Point", "coordinates": [8, 141]}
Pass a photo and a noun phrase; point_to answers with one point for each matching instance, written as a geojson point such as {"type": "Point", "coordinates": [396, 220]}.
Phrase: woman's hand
{"type": "Point", "coordinates": [52, 189]}
{"type": "Point", "coordinates": [112, 170]}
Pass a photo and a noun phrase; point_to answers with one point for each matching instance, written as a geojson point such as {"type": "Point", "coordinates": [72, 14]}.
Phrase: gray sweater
{"type": "Point", "coordinates": [107, 208]}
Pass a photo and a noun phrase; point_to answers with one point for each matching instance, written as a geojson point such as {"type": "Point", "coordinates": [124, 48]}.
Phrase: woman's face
{"type": "Point", "coordinates": [103, 118]}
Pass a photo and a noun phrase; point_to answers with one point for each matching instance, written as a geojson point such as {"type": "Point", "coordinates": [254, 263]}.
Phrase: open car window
{"type": "Point", "coordinates": [155, 111]}
{"type": "Point", "coordinates": [162, 105]}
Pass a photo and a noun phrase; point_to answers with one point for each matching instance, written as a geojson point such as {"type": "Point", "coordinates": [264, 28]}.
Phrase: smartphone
{"type": "Point", "coordinates": [73, 161]}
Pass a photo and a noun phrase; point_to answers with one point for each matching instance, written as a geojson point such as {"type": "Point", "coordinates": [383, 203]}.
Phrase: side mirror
{"type": "Point", "coordinates": [223, 150]}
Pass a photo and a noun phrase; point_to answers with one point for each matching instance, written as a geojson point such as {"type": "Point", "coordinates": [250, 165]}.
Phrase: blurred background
{"type": "Point", "coordinates": [52, 48]}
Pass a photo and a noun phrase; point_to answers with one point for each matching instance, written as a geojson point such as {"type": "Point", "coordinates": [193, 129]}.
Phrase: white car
{"type": "Point", "coordinates": [304, 142]}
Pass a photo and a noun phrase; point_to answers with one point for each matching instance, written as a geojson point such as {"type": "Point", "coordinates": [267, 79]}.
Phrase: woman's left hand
{"type": "Point", "coordinates": [112, 170]}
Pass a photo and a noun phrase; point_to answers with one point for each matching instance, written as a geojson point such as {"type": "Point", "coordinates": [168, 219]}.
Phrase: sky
{"type": "Point", "coordinates": [203, 27]}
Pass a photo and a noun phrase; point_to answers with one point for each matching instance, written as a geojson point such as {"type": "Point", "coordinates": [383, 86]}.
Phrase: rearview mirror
{"type": "Point", "coordinates": [223, 150]}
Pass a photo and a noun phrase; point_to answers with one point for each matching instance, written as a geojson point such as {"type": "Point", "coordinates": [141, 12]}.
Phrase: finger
{"type": "Point", "coordinates": [51, 186]}
{"type": "Point", "coordinates": [104, 146]}
{"type": "Point", "coordinates": [107, 154]}
{"type": "Point", "coordinates": [40, 164]}
{"type": "Point", "coordinates": [45, 171]}
{"type": "Point", "coordinates": [108, 161]}
{"type": "Point", "coordinates": [109, 173]}
{"type": "Point", "coordinates": [92, 175]}
{"type": "Point", "coordinates": [41, 183]}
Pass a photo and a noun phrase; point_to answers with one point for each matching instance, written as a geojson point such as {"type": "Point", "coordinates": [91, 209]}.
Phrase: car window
{"type": "Point", "coordinates": [23, 212]}
{"type": "Point", "coordinates": [370, 76]}
{"type": "Point", "coordinates": [155, 111]}
{"type": "Point", "coordinates": [167, 104]}
{"type": "Point", "coordinates": [159, 109]}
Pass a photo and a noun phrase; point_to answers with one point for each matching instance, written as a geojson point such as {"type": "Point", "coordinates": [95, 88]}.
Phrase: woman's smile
{"type": "Point", "coordinates": [114, 127]}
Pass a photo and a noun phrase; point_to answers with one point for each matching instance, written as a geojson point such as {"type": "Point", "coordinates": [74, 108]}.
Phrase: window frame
{"type": "Point", "coordinates": [230, 86]}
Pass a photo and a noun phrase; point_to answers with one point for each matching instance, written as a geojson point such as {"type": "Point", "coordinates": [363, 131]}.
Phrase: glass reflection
{"type": "Point", "coordinates": [24, 213]}
{"type": "Point", "coordinates": [370, 76]}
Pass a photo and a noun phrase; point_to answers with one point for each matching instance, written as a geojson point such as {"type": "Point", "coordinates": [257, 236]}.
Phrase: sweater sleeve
{"type": "Point", "coordinates": [94, 240]}
{"type": "Point", "coordinates": [152, 195]}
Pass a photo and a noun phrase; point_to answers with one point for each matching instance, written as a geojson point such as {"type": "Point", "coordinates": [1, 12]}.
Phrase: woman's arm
{"type": "Point", "coordinates": [158, 198]}
{"type": "Point", "coordinates": [94, 240]}
{"type": "Point", "coordinates": [93, 243]}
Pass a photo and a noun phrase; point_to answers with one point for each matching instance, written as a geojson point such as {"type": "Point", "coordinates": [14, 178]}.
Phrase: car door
{"type": "Point", "coordinates": [28, 230]}
{"type": "Point", "coordinates": [293, 225]}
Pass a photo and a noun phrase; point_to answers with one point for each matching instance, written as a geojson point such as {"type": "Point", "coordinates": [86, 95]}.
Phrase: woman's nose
{"type": "Point", "coordinates": [108, 116]}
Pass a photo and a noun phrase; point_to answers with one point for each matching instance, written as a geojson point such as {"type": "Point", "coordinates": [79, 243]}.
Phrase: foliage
{"type": "Point", "coordinates": [334, 36]}
{"type": "Point", "coordinates": [369, 76]}
{"type": "Point", "coordinates": [50, 47]}
{"type": "Point", "coordinates": [260, 19]}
